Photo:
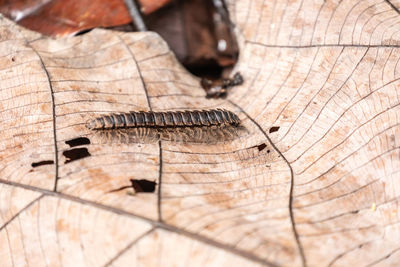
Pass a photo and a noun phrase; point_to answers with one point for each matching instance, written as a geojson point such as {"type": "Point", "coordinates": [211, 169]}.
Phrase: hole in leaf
{"type": "Point", "coordinates": [143, 185]}
{"type": "Point", "coordinates": [40, 163]}
{"type": "Point", "coordinates": [75, 154]}
{"type": "Point", "coordinates": [261, 147]}
{"type": "Point", "coordinates": [140, 186]}
{"type": "Point", "coordinates": [274, 129]}
{"type": "Point", "coordinates": [78, 141]}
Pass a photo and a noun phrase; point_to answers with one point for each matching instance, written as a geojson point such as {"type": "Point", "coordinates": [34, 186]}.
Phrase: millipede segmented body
{"type": "Point", "coordinates": [215, 134]}
{"type": "Point", "coordinates": [169, 119]}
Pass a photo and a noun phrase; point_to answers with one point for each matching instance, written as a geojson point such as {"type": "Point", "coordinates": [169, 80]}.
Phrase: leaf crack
{"type": "Point", "coordinates": [290, 206]}
{"type": "Point", "coordinates": [53, 106]}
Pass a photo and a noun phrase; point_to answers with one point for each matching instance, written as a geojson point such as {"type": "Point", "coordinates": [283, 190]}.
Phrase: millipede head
{"type": "Point", "coordinates": [230, 117]}
{"type": "Point", "coordinates": [235, 118]}
{"type": "Point", "coordinates": [91, 124]}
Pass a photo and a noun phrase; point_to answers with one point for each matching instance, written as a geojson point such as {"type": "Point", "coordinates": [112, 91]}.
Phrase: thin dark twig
{"type": "Point", "coordinates": [137, 19]}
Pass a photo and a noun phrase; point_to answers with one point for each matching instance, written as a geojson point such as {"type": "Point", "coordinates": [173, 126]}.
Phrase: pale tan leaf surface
{"type": "Point", "coordinates": [57, 232]}
{"type": "Point", "coordinates": [314, 180]}
{"type": "Point", "coordinates": [190, 252]}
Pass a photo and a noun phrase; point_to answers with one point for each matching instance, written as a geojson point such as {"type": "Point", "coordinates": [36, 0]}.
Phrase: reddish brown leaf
{"type": "Point", "coordinates": [149, 6]}
{"type": "Point", "coordinates": [18, 9]}
{"type": "Point", "coordinates": [60, 18]}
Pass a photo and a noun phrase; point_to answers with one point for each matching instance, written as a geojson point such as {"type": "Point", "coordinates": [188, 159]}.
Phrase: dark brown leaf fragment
{"type": "Point", "coordinates": [63, 18]}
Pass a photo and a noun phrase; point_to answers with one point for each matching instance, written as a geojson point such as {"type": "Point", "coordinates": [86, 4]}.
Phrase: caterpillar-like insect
{"type": "Point", "coordinates": [170, 119]}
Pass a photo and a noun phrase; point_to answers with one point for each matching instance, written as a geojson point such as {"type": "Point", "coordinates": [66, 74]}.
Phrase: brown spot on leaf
{"type": "Point", "coordinates": [75, 87]}
{"type": "Point", "coordinates": [46, 108]}
{"type": "Point", "coordinates": [219, 199]}
{"type": "Point", "coordinates": [72, 232]}
{"type": "Point", "coordinates": [99, 175]}
{"type": "Point", "coordinates": [61, 225]}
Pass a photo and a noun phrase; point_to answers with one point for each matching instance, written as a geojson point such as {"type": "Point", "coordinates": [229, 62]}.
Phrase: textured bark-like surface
{"type": "Point", "coordinates": [314, 181]}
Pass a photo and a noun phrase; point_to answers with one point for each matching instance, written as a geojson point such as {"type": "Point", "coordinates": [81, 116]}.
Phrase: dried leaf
{"type": "Point", "coordinates": [150, 6]}
{"type": "Point", "coordinates": [320, 101]}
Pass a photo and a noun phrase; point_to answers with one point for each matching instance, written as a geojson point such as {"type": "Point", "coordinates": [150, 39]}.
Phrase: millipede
{"type": "Point", "coordinates": [168, 119]}
{"type": "Point", "coordinates": [189, 135]}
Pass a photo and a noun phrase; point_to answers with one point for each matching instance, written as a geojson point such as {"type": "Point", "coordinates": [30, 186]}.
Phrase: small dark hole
{"type": "Point", "coordinates": [273, 129]}
{"type": "Point", "coordinates": [143, 185]}
{"type": "Point", "coordinates": [40, 163]}
{"type": "Point", "coordinates": [75, 154]}
{"type": "Point", "coordinates": [78, 141]}
{"type": "Point", "coordinates": [268, 151]}
{"type": "Point", "coordinates": [261, 147]}
{"type": "Point", "coordinates": [13, 59]}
